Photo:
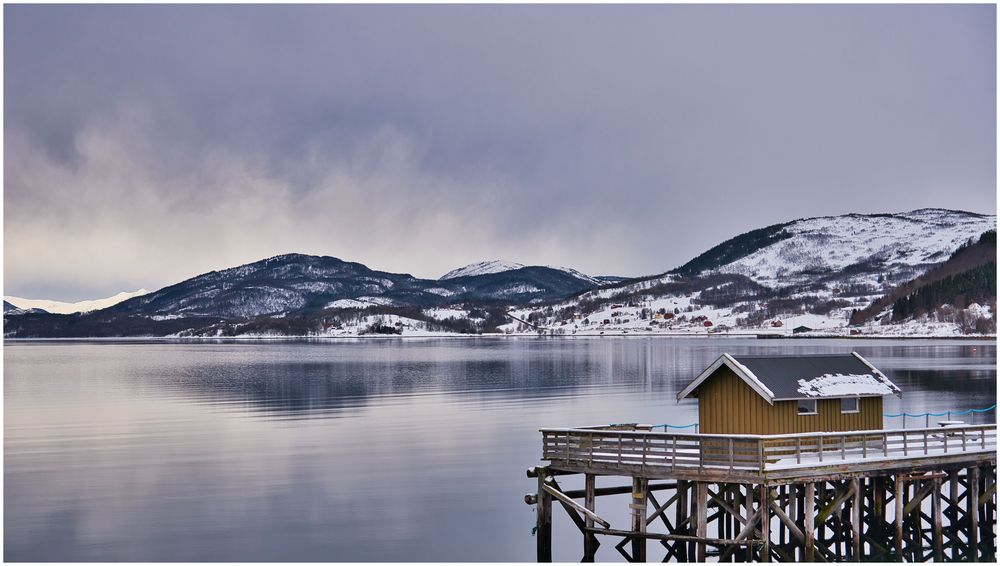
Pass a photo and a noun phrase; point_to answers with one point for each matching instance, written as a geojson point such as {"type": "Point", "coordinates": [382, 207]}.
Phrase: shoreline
{"type": "Point", "coordinates": [450, 336]}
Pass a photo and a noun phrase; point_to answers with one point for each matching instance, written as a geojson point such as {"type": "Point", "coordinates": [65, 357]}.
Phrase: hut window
{"type": "Point", "coordinates": [849, 405]}
{"type": "Point", "coordinates": [807, 406]}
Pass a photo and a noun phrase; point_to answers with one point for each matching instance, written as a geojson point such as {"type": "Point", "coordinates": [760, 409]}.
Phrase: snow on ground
{"type": "Point", "coordinates": [407, 326]}
{"type": "Point", "coordinates": [440, 291]}
{"type": "Point", "coordinates": [60, 307]}
{"type": "Point", "coordinates": [446, 313]}
{"type": "Point", "coordinates": [613, 318]}
{"type": "Point", "coordinates": [166, 316]}
{"type": "Point", "coordinates": [359, 303]}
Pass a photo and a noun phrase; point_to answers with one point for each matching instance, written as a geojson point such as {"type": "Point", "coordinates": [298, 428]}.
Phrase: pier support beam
{"type": "Point", "coordinates": [936, 513]}
{"type": "Point", "coordinates": [543, 518]}
{"type": "Point", "coordinates": [943, 513]}
{"type": "Point", "coordinates": [808, 520]}
{"type": "Point", "coordinates": [972, 510]}
{"type": "Point", "coordinates": [701, 502]}
{"type": "Point", "coordinates": [856, 519]}
{"type": "Point", "coordinates": [765, 523]}
{"type": "Point", "coordinates": [638, 508]}
{"type": "Point", "coordinates": [590, 543]}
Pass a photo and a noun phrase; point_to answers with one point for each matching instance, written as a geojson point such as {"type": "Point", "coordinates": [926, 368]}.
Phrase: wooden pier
{"type": "Point", "coordinates": [885, 495]}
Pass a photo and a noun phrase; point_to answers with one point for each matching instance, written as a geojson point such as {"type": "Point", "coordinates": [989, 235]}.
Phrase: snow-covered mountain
{"type": "Point", "coordinates": [61, 307]}
{"type": "Point", "coordinates": [482, 268]}
{"type": "Point", "coordinates": [494, 266]}
{"type": "Point", "coordinates": [807, 274]}
{"type": "Point", "coordinates": [858, 248]}
{"type": "Point", "coordinates": [306, 291]}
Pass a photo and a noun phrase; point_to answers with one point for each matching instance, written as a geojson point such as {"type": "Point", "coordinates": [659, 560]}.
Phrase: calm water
{"type": "Point", "coordinates": [387, 450]}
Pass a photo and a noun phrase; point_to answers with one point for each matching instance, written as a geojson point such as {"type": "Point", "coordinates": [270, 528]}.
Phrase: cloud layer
{"type": "Point", "coordinates": [146, 144]}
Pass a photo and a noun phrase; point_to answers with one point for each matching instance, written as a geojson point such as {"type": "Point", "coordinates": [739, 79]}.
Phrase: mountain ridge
{"type": "Point", "coordinates": [64, 307]}
{"type": "Point", "coordinates": [813, 270]}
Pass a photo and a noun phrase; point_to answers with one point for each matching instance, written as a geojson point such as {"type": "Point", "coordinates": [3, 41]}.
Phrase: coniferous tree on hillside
{"type": "Point", "coordinates": [973, 286]}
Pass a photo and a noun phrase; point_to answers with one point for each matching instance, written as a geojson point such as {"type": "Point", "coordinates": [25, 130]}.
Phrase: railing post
{"type": "Point", "coordinates": [590, 454]}
{"type": "Point", "coordinates": [843, 447]}
{"type": "Point", "coordinates": [885, 444]}
{"type": "Point", "coordinates": [730, 454]}
{"type": "Point", "coordinates": [798, 450]}
{"type": "Point", "coordinates": [620, 440]}
{"type": "Point", "coordinates": [819, 446]}
{"type": "Point", "coordinates": [905, 448]}
{"type": "Point", "coordinates": [673, 453]}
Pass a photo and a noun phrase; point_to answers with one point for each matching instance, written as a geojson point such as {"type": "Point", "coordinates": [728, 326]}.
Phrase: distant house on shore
{"type": "Point", "coordinates": [789, 394]}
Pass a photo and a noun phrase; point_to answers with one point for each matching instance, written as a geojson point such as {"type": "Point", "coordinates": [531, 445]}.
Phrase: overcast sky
{"type": "Point", "coordinates": [144, 145]}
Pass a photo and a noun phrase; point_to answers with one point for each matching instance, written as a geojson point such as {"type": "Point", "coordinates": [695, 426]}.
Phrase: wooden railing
{"type": "Point", "coordinates": [606, 448]}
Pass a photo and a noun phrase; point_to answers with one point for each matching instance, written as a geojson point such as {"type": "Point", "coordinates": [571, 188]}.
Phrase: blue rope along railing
{"type": "Point", "coordinates": [944, 414]}
{"type": "Point", "coordinates": [666, 426]}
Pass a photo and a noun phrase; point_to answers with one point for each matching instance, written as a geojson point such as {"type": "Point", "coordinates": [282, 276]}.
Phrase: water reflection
{"type": "Point", "coordinates": [348, 450]}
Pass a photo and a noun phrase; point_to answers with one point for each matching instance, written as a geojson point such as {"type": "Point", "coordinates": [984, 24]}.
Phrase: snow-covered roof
{"type": "Point", "coordinates": [777, 378]}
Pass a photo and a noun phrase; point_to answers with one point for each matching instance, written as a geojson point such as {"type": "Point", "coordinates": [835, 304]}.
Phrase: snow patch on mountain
{"type": "Point", "coordinates": [482, 268]}
{"type": "Point", "coordinates": [499, 266]}
{"type": "Point", "coordinates": [61, 307]}
{"type": "Point", "coordinates": [900, 245]}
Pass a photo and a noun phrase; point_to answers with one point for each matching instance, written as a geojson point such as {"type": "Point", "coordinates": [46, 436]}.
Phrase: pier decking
{"type": "Point", "coordinates": [908, 494]}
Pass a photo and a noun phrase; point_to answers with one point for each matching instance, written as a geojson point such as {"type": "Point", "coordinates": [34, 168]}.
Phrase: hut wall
{"type": "Point", "coordinates": [727, 405]}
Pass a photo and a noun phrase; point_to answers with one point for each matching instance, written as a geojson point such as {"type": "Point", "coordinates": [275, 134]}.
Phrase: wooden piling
{"type": "Point", "coordinates": [936, 513]}
{"type": "Point", "coordinates": [809, 516]}
{"type": "Point", "coordinates": [701, 495]}
{"type": "Point", "coordinates": [680, 517]}
{"type": "Point", "coordinates": [543, 525]}
{"type": "Point", "coordinates": [765, 523]}
{"type": "Point", "coordinates": [638, 508]}
{"type": "Point", "coordinates": [590, 502]}
{"type": "Point", "coordinates": [972, 510]}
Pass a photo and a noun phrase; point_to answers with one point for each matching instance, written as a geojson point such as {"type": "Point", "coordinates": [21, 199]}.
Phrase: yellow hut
{"type": "Point", "coordinates": [789, 394]}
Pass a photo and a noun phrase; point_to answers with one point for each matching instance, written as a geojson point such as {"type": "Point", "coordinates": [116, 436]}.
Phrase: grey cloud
{"type": "Point", "coordinates": [149, 143]}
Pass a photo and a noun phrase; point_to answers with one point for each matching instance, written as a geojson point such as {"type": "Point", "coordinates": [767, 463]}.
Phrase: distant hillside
{"type": "Point", "coordinates": [806, 275]}
{"type": "Point", "coordinates": [297, 293]}
{"type": "Point", "coordinates": [969, 275]}
{"type": "Point", "coordinates": [61, 307]}
{"type": "Point", "coordinates": [498, 267]}
{"type": "Point", "coordinates": [734, 249]}
{"type": "Point", "coordinates": [809, 274]}
{"type": "Point", "coordinates": [482, 268]}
